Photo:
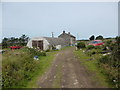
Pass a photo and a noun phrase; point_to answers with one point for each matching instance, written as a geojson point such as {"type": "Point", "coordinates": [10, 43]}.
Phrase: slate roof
{"type": "Point", "coordinates": [56, 41]}
{"type": "Point", "coordinates": [67, 34]}
{"type": "Point", "coordinates": [70, 35]}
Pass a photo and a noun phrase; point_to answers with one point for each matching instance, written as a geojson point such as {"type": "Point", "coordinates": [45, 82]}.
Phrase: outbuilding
{"type": "Point", "coordinates": [46, 43]}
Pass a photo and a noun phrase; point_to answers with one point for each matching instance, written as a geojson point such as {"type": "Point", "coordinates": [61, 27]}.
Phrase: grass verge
{"type": "Point", "coordinates": [44, 64]}
{"type": "Point", "coordinates": [91, 64]}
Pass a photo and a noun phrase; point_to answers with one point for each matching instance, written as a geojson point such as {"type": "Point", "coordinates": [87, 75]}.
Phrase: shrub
{"type": "Point", "coordinates": [104, 59]}
{"type": "Point", "coordinates": [81, 45]}
{"type": "Point", "coordinates": [41, 54]}
{"type": "Point", "coordinates": [48, 50]}
{"type": "Point", "coordinates": [112, 46]}
{"type": "Point", "coordinates": [111, 63]}
{"type": "Point", "coordinates": [99, 37]}
{"type": "Point", "coordinates": [117, 40]}
{"type": "Point", "coordinates": [53, 48]}
{"type": "Point", "coordinates": [34, 51]}
{"type": "Point", "coordinates": [90, 47]}
{"type": "Point", "coordinates": [93, 51]}
{"type": "Point", "coordinates": [92, 37]}
{"type": "Point", "coordinates": [97, 47]}
{"type": "Point", "coordinates": [110, 69]}
{"type": "Point", "coordinates": [104, 48]}
{"type": "Point", "coordinates": [107, 43]}
{"type": "Point", "coordinates": [19, 68]}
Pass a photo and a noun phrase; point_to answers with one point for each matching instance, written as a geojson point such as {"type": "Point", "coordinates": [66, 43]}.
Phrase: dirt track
{"type": "Point", "coordinates": [67, 72]}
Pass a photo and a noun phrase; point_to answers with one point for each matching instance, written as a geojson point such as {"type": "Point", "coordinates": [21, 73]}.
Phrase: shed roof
{"type": "Point", "coordinates": [56, 41]}
{"type": "Point", "coordinates": [71, 35]}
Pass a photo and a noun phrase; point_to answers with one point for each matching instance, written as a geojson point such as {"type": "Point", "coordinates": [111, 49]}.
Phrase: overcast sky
{"type": "Point", "coordinates": [40, 19]}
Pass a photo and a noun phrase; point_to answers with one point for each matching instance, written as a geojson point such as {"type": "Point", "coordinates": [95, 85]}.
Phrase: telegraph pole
{"type": "Point", "coordinates": [52, 35]}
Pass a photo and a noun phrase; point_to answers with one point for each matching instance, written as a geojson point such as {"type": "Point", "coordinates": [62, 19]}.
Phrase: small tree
{"type": "Point", "coordinates": [99, 37]}
{"type": "Point", "coordinates": [23, 39]}
{"type": "Point", "coordinates": [4, 43]}
{"type": "Point", "coordinates": [92, 37]}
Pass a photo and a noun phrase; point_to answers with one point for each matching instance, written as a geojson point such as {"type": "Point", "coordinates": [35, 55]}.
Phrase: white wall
{"type": "Point", "coordinates": [45, 42]}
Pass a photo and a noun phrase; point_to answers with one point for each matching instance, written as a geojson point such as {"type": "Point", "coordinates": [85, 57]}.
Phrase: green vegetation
{"type": "Point", "coordinates": [92, 37]}
{"type": "Point", "coordinates": [90, 47]}
{"type": "Point", "coordinates": [21, 41]}
{"type": "Point", "coordinates": [92, 52]}
{"type": "Point", "coordinates": [80, 45]}
{"type": "Point", "coordinates": [19, 67]}
{"type": "Point", "coordinates": [99, 37]}
{"type": "Point", "coordinates": [110, 63]}
{"type": "Point", "coordinates": [44, 64]}
{"type": "Point", "coordinates": [104, 60]}
{"type": "Point", "coordinates": [98, 47]}
{"type": "Point", "coordinates": [91, 63]}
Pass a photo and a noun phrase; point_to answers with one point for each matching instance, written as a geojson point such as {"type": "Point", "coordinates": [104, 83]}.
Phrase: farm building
{"type": "Point", "coordinates": [45, 43]}
{"type": "Point", "coordinates": [70, 39]}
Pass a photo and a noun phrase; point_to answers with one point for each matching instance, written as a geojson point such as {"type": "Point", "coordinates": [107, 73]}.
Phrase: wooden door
{"type": "Point", "coordinates": [34, 43]}
{"type": "Point", "coordinates": [40, 44]}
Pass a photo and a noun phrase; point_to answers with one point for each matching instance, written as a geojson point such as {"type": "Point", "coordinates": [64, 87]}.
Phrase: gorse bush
{"type": "Point", "coordinates": [107, 43]}
{"type": "Point", "coordinates": [97, 47]}
{"type": "Point", "coordinates": [81, 45]}
{"type": "Point", "coordinates": [111, 63]}
{"type": "Point", "coordinates": [90, 47]}
{"type": "Point", "coordinates": [104, 59]}
{"type": "Point", "coordinates": [35, 52]}
{"type": "Point", "coordinates": [93, 51]}
{"type": "Point", "coordinates": [18, 67]}
{"type": "Point", "coordinates": [110, 67]}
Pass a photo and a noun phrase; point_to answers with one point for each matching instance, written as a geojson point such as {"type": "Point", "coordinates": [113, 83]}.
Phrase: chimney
{"type": "Point", "coordinates": [68, 32]}
{"type": "Point", "coordinates": [63, 31]}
